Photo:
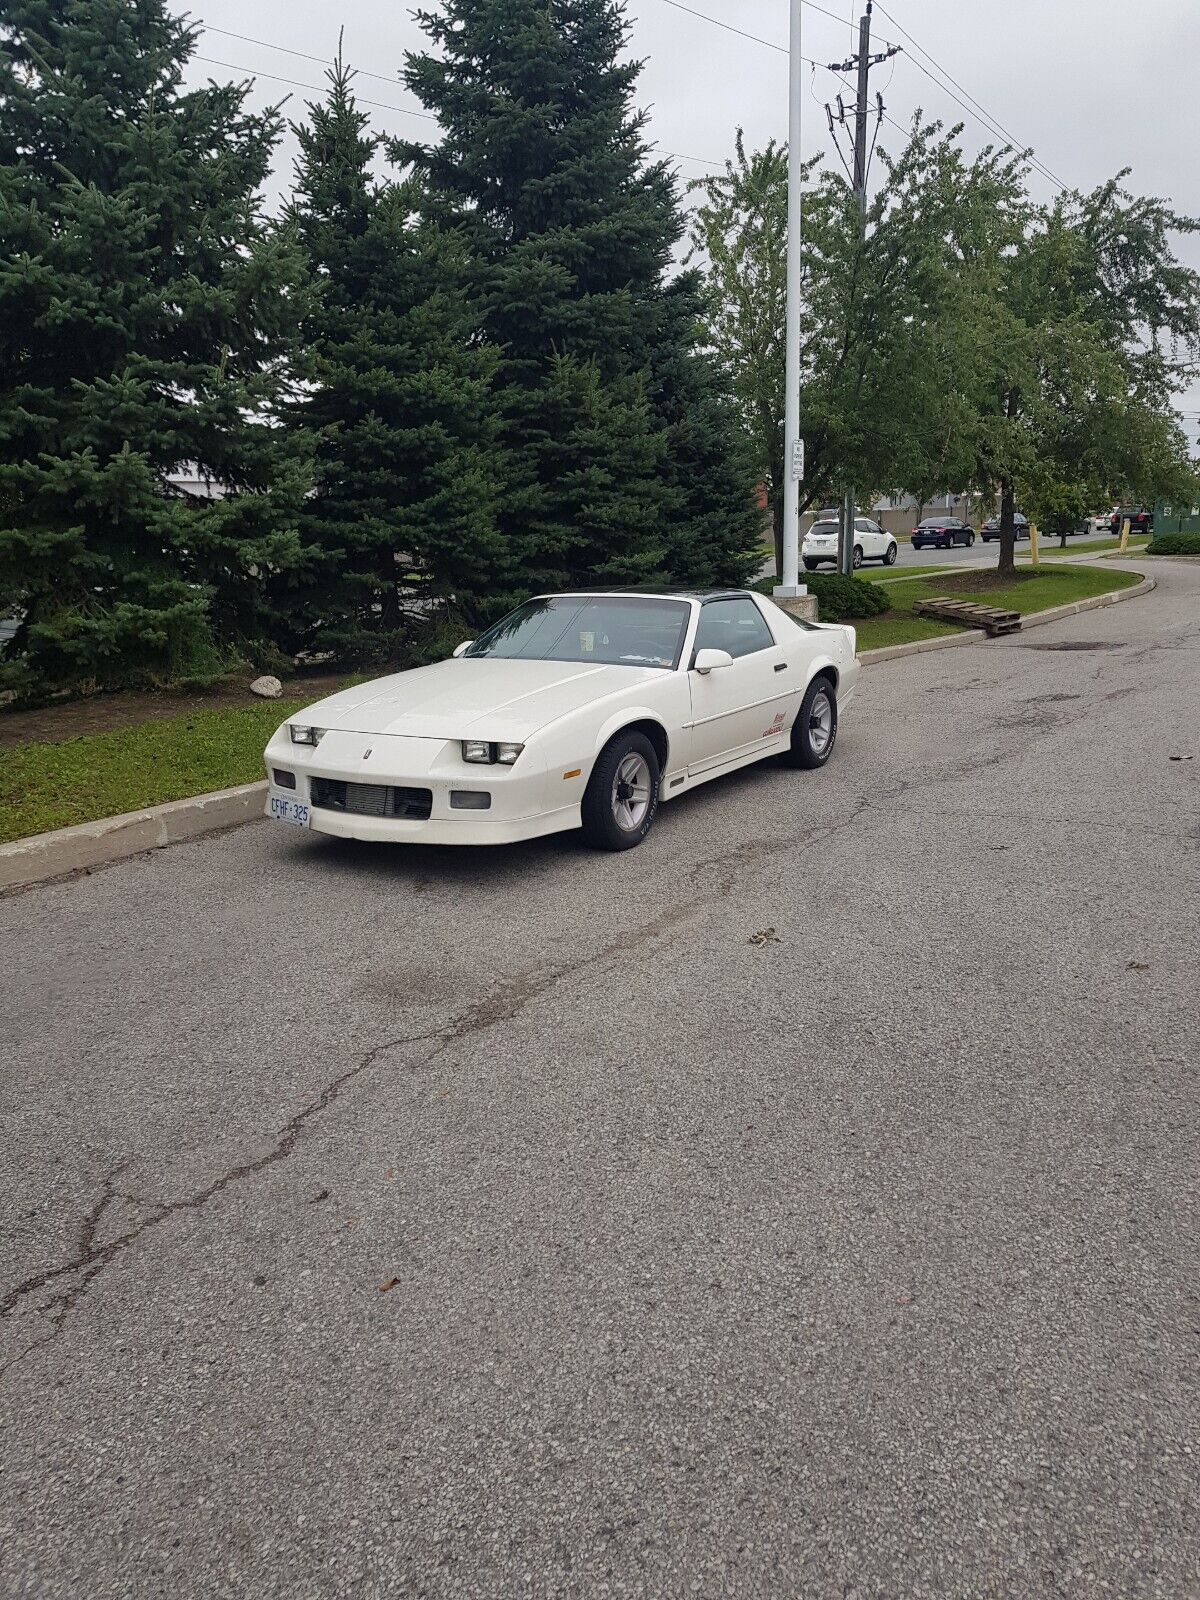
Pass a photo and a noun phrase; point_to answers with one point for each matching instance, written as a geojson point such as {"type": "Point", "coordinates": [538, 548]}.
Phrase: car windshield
{"type": "Point", "coordinates": [936, 522]}
{"type": "Point", "coordinates": [608, 630]}
{"type": "Point", "coordinates": [820, 528]}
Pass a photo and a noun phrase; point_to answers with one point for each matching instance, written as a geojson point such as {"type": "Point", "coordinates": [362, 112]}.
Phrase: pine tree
{"type": "Point", "coordinates": [145, 313]}
{"type": "Point", "coordinates": [399, 412]}
{"type": "Point", "coordinates": [620, 458]}
{"type": "Point", "coordinates": [714, 531]}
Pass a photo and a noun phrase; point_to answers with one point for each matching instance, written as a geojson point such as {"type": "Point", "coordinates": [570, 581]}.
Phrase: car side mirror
{"type": "Point", "coordinates": [461, 649]}
{"type": "Point", "coordinates": [709, 660]}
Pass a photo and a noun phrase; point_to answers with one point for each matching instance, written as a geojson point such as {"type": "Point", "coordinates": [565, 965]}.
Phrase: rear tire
{"type": "Point", "coordinates": [814, 731]}
{"type": "Point", "coordinates": [810, 566]}
{"type": "Point", "coordinates": [858, 556]}
{"type": "Point", "coordinates": [621, 799]}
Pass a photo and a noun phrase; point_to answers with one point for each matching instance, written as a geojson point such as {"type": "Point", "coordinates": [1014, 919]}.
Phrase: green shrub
{"type": "Point", "coordinates": [840, 599]}
{"type": "Point", "coordinates": [1174, 544]}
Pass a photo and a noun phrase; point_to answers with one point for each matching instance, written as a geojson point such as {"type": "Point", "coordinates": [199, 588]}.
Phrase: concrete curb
{"type": "Point", "coordinates": [946, 641]}
{"type": "Point", "coordinates": [95, 844]}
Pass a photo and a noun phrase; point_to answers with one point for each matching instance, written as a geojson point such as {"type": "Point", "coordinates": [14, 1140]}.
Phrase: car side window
{"type": "Point", "coordinates": [737, 626]}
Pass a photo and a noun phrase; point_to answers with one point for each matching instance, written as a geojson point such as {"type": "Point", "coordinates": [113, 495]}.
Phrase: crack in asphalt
{"type": "Point", "coordinates": [90, 1258]}
{"type": "Point", "coordinates": [714, 877]}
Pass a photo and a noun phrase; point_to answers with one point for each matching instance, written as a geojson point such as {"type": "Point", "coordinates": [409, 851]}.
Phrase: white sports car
{"type": "Point", "coordinates": [575, 711]}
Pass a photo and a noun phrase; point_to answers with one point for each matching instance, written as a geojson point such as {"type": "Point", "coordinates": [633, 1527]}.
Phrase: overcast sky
{"type": "Point", "coordinates": [1092, 85]}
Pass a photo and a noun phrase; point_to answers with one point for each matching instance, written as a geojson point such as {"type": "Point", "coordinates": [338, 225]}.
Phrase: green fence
{"type": "Point", "coordinates": [1176, 519]}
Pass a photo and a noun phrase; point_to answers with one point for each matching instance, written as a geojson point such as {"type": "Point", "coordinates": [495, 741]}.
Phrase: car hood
{"type": "Point", "coordinates": [472, 699]}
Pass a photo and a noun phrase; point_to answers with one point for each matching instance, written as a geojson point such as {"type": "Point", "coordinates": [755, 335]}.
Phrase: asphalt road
{"type": "Point", "coordinates": [980, 554]}
{"type": "Point", "coordinates": [960, 555]}
{"type": "Point", "coordinates": [803, 1204]}
{"type": "Point", "coordinates": [977, 555]}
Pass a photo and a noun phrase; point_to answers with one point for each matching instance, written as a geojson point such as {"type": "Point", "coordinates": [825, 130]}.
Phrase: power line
{"type": "Point", "coordinates": [995, 124]}
{"type": "Point", "coordinates": [995, 128]}
{"type": "Point", "coordinates": [755, 38]}
{"type": "Point", "coordinates": [322, 61]}
{"type": "Point", "coordinates": [310, 88]}
{"type": "Point", "coordinates": [812, 6]}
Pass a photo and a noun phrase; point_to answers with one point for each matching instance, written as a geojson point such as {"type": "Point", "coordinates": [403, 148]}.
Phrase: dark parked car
{"type": "Point", "coordinates": [942, 532]}
{"type": "Point", "coordinates": [1141, 521]}
{"type": "Point", "coordinates": [991, 528]}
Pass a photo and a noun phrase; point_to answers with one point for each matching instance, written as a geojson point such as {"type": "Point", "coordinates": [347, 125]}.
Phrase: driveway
{"type": "Point", "coordinates": [803, 1204]}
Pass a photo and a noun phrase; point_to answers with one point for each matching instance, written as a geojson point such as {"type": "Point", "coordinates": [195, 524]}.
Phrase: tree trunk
{"type": "Point", "coordinates": [1008, 537]}
{"type": "Point", "coordinates": [389, 595]}
{"type": "Point", "coordinates": [777, 530]}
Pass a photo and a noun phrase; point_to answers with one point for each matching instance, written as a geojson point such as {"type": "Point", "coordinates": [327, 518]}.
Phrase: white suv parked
{"type": "Point", "coordinates": [871, 543]}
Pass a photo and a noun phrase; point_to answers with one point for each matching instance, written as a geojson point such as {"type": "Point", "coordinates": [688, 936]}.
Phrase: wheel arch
{"type": "Point", "coordinates": [823, 667]}
{"type": "Point", "coordinates": [632, 720]}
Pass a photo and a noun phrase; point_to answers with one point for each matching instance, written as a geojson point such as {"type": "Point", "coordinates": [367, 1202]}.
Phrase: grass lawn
{"type": "Point", "coordinates": [898, 574]}
{"type": "Point", "coordinates": [1050, 586]}
{"type": "Point", "coordinates": [1048, 548]}
{"type": "Point", "coordinates": [44, 786]}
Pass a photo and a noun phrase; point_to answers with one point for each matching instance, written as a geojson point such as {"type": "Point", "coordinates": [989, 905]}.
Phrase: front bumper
{"type": "Point", "coordinates": [523, 803]}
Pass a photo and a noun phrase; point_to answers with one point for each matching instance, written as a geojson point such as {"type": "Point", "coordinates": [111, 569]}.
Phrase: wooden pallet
{"type": "Point", "coordinates": [971, 614]}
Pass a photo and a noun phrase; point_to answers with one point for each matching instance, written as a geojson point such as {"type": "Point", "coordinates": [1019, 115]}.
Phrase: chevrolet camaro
{"type": "Point", "coordinates": [581, 710]}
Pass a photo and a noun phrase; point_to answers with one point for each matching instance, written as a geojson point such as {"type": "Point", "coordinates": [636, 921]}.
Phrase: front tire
{"type": "Point", "coordinates": [814, 731]}
{"type": "Point", "coordinates": [970, 540]}
{"type": "Point", "coordinates": [889, 559]}
{"type": "Point", "coordinates": [621, 799]}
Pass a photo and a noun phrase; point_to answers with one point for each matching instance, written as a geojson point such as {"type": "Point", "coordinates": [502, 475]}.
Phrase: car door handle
{"type": "Point", "coordinates": [781, 666]}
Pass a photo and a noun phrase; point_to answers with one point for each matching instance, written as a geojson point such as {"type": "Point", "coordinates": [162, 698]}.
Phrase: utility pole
{"type": "Point", "coordinates": [864, 61]}
{"type": "Point", "coordinates": [793, 458]}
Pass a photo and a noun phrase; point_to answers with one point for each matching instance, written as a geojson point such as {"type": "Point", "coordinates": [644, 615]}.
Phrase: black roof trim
{"type": "Point", "coordinates": [650, 592]}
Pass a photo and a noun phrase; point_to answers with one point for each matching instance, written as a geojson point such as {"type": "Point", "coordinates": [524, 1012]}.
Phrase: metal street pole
{"type": "Point", "coordinates": [793, 459]}
{"type": "Point", "coordinates": [849, 510]}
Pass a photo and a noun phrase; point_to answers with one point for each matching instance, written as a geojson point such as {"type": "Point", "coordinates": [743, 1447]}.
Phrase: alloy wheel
{"type": "Point", "coordinates": [631, 792]}
{"type": "Point", "coordinates": [820, 723]}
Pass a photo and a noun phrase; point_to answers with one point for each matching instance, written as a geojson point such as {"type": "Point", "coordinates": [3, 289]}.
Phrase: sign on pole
{"type": "Point", "coordinates": [797, 460]}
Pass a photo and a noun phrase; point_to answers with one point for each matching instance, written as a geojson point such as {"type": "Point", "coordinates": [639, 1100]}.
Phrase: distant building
{"type": "Point", "coordinates": [900, 513]}
{"type": "Point", "coordinates": [191, 480]}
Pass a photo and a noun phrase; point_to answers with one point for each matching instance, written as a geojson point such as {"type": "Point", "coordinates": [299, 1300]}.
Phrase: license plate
{"type": "Point", "coordinates": [293, 811]}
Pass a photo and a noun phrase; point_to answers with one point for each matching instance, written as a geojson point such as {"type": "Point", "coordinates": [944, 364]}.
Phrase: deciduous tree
{"type": "Point", "coordinates": [882, 405]}
{"type": "Point", "coordinates": [1084, 319]}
